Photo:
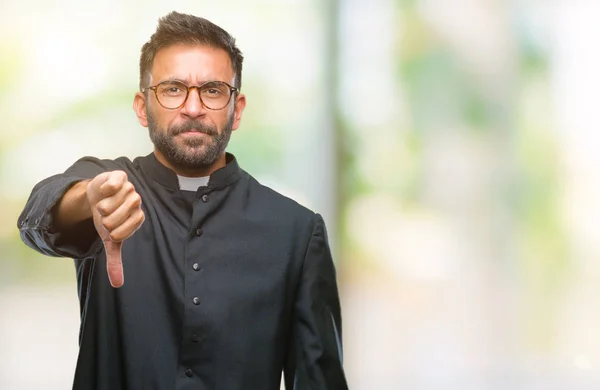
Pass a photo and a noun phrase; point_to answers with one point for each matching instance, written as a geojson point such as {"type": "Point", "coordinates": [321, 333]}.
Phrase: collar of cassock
{"type": "Point", "coordinates": [222, 177]}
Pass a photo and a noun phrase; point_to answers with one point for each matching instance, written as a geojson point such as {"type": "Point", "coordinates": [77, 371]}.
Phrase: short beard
{"type": "Point", "coordinates": [198, 153]}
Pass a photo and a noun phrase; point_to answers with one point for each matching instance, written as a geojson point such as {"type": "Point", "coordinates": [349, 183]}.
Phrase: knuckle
{"type": "Point", "coordinates": [115, 236]}
{"type": "Point", "coordinates": [114, 176]}
{"type": "Point", "coordinates": [108, 224]}
{"type": "Point", "coordinates": [128, 186]}
{"type": "Point", "coordinates": [121, 174]}
{"type": "Point", "coordinates": [102, 208]}
{"type": "Point", "coordinates": [117, 177]}
{"type": "Point", "coordinates": [101, 177]}
{"type": "Point", "coordinates": [110, 187]}
{"type": "Point", "coordinates": [136, 199]}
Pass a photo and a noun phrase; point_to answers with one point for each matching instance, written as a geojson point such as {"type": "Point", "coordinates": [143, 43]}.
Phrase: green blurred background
{"type": "Point", "coordinates": [450, 145]}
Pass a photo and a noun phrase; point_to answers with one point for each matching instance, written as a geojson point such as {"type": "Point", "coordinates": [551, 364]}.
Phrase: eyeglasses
{"type": "Point", "coordinates": [214, 95]}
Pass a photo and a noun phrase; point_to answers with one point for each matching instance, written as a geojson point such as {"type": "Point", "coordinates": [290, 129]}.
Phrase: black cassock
{"type": "Point", "coordinates": [225, 287]}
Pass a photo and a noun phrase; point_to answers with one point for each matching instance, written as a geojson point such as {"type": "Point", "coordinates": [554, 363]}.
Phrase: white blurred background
{"type": "Point", "coordinates": [452, 147]}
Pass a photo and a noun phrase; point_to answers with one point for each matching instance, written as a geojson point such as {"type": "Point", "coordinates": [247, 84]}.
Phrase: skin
{"type": "Point", "coordinates": [109, 198]}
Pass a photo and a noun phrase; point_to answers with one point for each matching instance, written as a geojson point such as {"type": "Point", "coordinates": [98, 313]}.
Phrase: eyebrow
{"type": "Point", "coordinates": [172, 79]}
{"type": "Point", "coordinates": [188, 84]}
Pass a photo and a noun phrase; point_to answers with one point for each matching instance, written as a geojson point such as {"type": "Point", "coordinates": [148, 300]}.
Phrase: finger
{"type": "Point", "coordinates": [93, 186]}
{"type": "Point", "coordinates": [112, 184]}
{"type": "Point", "coordinates": [110, 204]}
{"type": "Point", "coordinates": [121, 214]}
{"type": "Point", "coordinates": [114, 263]}
{"type": "Point", "coordinates": [127, 228]}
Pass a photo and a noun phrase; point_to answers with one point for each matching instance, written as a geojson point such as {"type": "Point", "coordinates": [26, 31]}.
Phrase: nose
{"type": "Point", "coordinates": [193, 106]}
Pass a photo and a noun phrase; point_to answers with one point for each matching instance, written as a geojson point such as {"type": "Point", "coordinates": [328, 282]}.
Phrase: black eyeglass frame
{"type": "Point", "coordinates": [232, 90]}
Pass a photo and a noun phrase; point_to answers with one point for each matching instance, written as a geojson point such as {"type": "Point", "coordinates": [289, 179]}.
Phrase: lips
{"type": "Point", "coordinates": [193, 132]}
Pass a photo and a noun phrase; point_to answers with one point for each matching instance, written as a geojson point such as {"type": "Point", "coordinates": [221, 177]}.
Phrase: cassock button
{"type": "Point", "coordinates": [196, 267]}
{"type": "Point", "coordinates": [205, 198]}
{"type": "Point", "coordinates": [199, 232]}
{"type": "Point", "coordinates": [195, 338]}
{"type": "Point", "coordinates": [189, 373]}
{"type": "Point", "coordinates": [196, 301]}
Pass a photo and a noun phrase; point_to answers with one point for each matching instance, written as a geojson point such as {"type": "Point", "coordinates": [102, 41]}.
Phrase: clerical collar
{"type": "Point", "coordinates": [222, 177]}
{"type": "Point", "coordinates": [192, 183]}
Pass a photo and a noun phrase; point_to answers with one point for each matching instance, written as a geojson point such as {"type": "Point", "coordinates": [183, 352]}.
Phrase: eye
{"type": "Point", "coordinates": [172, 89]}
{"type": "Point", "coordinates": [215, 89]}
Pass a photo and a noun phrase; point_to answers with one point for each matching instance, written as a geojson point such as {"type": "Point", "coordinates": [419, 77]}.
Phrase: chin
{"type": "Point", "coordinates": [192, 145]}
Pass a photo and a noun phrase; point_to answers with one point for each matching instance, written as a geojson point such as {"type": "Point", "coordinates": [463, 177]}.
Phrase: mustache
{"type": "Point", "coordinates": [193, 125]}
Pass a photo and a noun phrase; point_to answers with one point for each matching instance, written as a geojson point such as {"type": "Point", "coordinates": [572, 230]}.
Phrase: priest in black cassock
{"type": "Point", "coordinates": [190, 273]}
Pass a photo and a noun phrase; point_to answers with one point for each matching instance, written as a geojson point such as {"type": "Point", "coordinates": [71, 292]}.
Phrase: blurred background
{"type": "Point", "coordinates": [451, 145]}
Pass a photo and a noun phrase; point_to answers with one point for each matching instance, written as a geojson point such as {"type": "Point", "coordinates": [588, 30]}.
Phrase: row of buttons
{"type": "Point", "coordinates": [189, 373]}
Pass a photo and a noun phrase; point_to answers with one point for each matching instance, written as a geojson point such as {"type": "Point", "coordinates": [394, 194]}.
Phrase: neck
{"type": "Point", "coordinates": [195, 171]}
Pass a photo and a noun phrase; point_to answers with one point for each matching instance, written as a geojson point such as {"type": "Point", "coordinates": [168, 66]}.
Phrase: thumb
{"type": "Point", "coordinates": [114, 264]}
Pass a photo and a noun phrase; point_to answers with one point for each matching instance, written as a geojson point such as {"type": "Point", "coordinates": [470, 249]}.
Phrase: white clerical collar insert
{"type": "Point", "coordinates": [192, 183]}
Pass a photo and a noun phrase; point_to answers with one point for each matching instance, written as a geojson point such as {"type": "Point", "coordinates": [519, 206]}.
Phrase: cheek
{"type": "Point", "coordinates": [164, 120]}
{"type": "Point", "coordinates": [216, 119]}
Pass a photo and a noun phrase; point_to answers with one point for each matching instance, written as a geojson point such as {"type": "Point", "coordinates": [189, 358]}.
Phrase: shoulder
{"type": "Point", "coordinates": [282, 207]}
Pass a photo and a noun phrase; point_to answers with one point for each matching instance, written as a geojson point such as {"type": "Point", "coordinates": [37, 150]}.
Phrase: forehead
{"type": "Point", "coordinates": [192, 63]}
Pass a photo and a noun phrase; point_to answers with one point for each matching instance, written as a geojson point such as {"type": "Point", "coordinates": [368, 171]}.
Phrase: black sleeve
{"type": "Point", "coordinates": [315, 357]}
{"type": "Point", "coordinates": [36, 221]}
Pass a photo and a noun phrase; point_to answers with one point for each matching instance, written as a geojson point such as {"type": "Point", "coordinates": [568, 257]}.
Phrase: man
{"type": "Point", "coordinates": [191, 274]}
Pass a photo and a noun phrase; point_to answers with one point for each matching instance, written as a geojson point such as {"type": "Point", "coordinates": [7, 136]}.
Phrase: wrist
{"type": "Point", "coordinates": [73, 207]}
{"type": "Point", "coordinates": [80, 192]}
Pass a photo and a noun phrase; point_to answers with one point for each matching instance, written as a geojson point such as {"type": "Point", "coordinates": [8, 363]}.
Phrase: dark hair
{"type": "Point", "coordinates": [176, 28]}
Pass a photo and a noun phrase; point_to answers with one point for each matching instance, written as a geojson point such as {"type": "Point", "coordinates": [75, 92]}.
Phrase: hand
{"type": "Point", "coordinates": [117, 213]}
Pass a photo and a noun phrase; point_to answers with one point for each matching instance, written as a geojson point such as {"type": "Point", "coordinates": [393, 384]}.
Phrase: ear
{"type": "Point", "coordinates": [240, 104]}
{"type": "Point", "coordinates": [139, 106]}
